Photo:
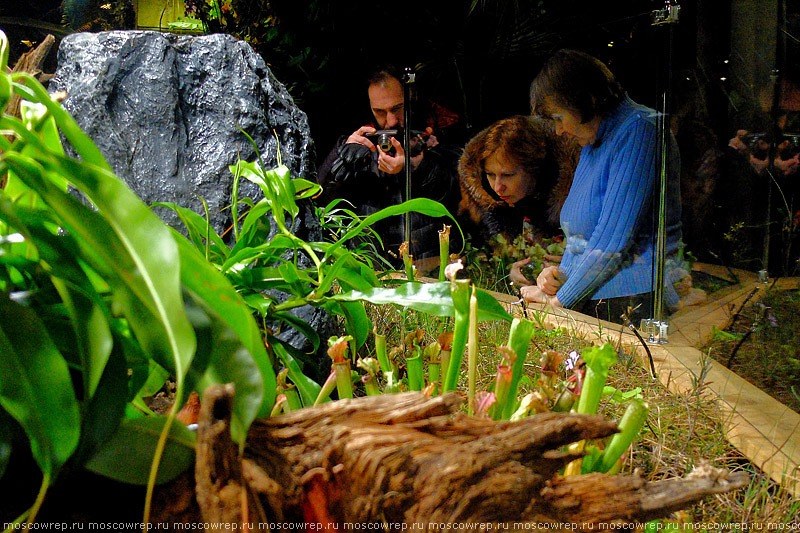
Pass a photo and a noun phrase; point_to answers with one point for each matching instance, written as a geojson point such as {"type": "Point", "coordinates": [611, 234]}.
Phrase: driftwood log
{"type": "Point", "coordinates": [31, 62]}
{"type": "Point", "coordinates": [407, 459]}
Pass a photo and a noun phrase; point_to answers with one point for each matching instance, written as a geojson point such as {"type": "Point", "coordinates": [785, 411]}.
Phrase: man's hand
{"type": "Point", "coordinates": [515, 273]}
{"type": "Point", "coordinates": [737, 142]}
{"type": "Point", "coordinates": [549, 280]}
{"type": "Point", "coordinates": [392, 164]}
{"type": "Point", "coordinates": [788, 166]}
{"type": "Point", "coordinates": [358, 137]}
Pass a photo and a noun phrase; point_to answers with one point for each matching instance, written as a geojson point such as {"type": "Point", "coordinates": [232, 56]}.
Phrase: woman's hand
{"type": "Point", "coordinates": [516, 273]}
{"type": "Point", "coordinates": [550, 280]}
{"type": "Point", "coordinates": [532, 293]}
{"type": "Point", "coordinates": [552, 260]}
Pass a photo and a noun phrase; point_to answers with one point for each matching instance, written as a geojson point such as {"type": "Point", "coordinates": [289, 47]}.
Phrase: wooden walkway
{"type": "Point", "coordinates": [763, 429]}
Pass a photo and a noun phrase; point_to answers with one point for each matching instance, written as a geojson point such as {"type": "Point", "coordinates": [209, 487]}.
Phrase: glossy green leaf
{"type": "Point", "coordinates": [198, 227]}
{"type": "Point", "coordinates": [137, 250]}
{"type": "Point", "coordinates": [254, 173]}
{"type": "Point", "coordinates": [82, 143]}
{"type": "Point", "coordinates": [217, 293]}
{"type": "Point", "coordinates": [93, 334]}
{"type": "Point", "coordinates": [128, 454]}
{"type": "Point", "coordinates": [104, 412]}
{"type": "Point", "coordinates": [357, 323]}
{"type": "Point", "coordinates": [431, 298]}
{"type": "Point", "coordinates": [47, 132]}
{"type": "Point", "coordinates": [254, 218]}
{"type": "Point", "coordinates": [305, 189]}
{"type": "Point", "coordinates": [300, 325]}
{"type": "Point", "coordinates": [231, 362]}
{"type": "Point", "coordinates": [281, 182]}
{"type": "Point", "coordinates": [221, 358]}
{"type": "Point", "coordinates": [307, 387]}
{"type": "Point", "coordinates": [424, 206]}
{"type": "Point", "coordinates": [35, 386]}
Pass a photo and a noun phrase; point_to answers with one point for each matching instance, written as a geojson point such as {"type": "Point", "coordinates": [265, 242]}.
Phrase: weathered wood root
{"type": "Point", "coordinates": [31, 62]}
{"type": "Point", "coordinates": [411, 459]}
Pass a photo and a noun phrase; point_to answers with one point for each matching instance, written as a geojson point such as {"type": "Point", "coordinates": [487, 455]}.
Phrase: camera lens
{"type": "Point", "coordinates": [385, 142]}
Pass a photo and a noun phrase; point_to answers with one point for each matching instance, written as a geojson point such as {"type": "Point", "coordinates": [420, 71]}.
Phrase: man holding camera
{"type": "Point", "coordinates": [367, 168]}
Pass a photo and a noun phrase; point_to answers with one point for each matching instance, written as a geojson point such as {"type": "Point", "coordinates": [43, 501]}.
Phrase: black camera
{"type": "Point", "coordinates": [382, 139]}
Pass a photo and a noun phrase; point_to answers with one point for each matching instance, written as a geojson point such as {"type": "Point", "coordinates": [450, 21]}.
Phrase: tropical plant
{"type": "Point", "coordinates": [99, 305]}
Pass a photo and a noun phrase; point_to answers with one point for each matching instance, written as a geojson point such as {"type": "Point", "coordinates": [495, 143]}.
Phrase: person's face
{"type": "Point", "coordinates": [386, 101]}
{"type": "Point", "coordinates": [506, 178]}
{"type": "Point", "coordinates": [568, 123]}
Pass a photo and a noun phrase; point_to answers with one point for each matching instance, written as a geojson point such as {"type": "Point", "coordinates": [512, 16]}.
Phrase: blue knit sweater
{"type": "Point", "coordinates": [608, 217]}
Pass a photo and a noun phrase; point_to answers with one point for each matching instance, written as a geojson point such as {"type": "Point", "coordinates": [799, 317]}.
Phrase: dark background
{"type": "Point", "coordinates": [478, 57]}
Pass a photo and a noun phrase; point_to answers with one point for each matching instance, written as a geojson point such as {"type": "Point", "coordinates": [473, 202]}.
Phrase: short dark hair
{"type": "Point", "coordinates": [382, 73]}
{"type": "Point", "coordinates": [576, 81]}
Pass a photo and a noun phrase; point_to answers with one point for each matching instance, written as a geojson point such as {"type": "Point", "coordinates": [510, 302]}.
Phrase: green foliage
{"type": "Point", "coordinates": [100, 304]}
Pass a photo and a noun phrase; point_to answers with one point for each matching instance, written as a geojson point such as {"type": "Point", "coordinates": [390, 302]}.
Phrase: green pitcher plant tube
{"type": "Point", "coordinates": [460, 292]}
{"type": "Point", "coordinates": [502, 385]}
{"type": "Point", "coordinates": [472, 355]}
{"type": "Point", "coordinates": [519, 338]}
{"type": "Point", "coordinates": [327, 388]}
{"type": "Point", "coordinates": [444, 250]}
{"type": "Point", "coordinates": [432, 352]}
{"type": "Point", "coordinates": [414, 368]}
{"type": "Point", "coordinates": [632, 421]}
{"type": "Point", "coordinates": [370, 379]}
{"type": "Point", "coordinates": [598, 362]}
{"type": "Point", "coordinates": [337, 350]}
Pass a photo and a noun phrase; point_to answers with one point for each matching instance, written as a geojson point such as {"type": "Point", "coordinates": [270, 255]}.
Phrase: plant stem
{"type": "Point", "coordinates": [29, 516]}
{"type": "Point", "coordinates": [159, 452]}
{"type": "Point", "coordinates": [502, 387]}
{"type": "Point", "coordinates": [472, 358]}
{"type": "Point", "coordinates": [444, 357]}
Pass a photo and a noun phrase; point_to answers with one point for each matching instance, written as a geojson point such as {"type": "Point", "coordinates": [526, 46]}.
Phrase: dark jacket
{"type": "Point", "coordinates": [351, 172]}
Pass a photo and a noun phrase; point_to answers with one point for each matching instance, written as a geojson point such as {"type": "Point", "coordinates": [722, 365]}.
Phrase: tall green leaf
{"type": "Point", "coordinates": [35, 386]}
{"type": "Point", "coordinates": [127, 455]}
{"type": "Point", "coordinates": [217, 293]}
{"type": "Point", "coordinates": [134, 248]}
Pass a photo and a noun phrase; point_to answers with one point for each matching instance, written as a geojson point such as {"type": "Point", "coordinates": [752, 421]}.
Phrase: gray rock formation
{"type": "Point", "coordinates": [167, 110]}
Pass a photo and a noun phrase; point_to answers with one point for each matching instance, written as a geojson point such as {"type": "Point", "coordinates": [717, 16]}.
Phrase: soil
{"type": "Point", "coordinates": [763, 347]}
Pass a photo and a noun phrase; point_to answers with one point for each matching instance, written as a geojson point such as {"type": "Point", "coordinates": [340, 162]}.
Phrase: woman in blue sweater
{"type": "Point", "coordinates": [608, 217]}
